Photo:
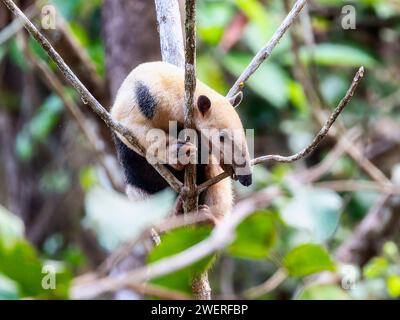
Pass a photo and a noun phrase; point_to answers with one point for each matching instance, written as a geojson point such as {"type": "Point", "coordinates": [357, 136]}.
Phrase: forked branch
{"type": "Point", "coordinates": [310, 148]}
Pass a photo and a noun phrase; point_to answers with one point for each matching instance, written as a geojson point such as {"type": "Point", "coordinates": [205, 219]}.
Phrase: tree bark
{"type": "Point", "coordinates": [130, 37]}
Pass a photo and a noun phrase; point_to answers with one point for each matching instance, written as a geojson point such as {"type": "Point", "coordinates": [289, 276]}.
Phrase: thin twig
{"type": "Point", "coordinates": [84, 125]}
{"type": "Point", "coordinates": [87, 97]}
{"type": "Point", "coordinates": [271, 284]}
{"type": "Point", "coordinates": [310, 148]}
{"type": "Point", "coordinates": [323, 132]}
{"type": "Point", "coordinates": [265, 52]}
{"type": "Point", "coordinates": [316, 172]}
{"type": "Point", "coordinates": [152, 290]}
{"type": "Point", "coordinates": [355, 185]}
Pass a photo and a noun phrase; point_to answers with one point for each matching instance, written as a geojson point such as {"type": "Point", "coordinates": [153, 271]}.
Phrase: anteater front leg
{"type": "Point", "coordinates": [218, 198]}
{"type": "Point", "coordinates": [162, 148]}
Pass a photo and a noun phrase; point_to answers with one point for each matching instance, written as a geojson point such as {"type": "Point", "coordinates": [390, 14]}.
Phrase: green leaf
{"type": "Point", "coordinates": [255, 237]}
{"type": "Point", "coordinates": [38, 129]}
{"type": "Point", "coordinates": [88, 178]}
{"type": "Point", "coordinates": [8, 289]}
{"type": "Point", "coordinates": [330, 54]}
{"type": "Point", "coordinates": [393, 286]}
{"type": "Point", "coordinates": [308, 259]}
{"type": "Point", "coordinates": [213, 17]}
{"type": "Point", "coordinates": [316, 211]}
{"type": "Point", "coordinates": [375, 268]}
{"type": "Point", "coordinates": [115, 219]}
{"type": "Point", "coordinates": [21, 263]}
{"type": "Point", "coordinates": [173, 243]}
{"type": "Point", "coordinates": [210, 72]}
{"type": "Point", "coordinates": [255, 11]}
{"type": "Point", "coordinates": [298, 97]}
{"type": "Point", "coordinates": [21, 267]}
{"type": "Point", "coordinates": [11, 227]}
{"type": "Point", "coordinates": [324, 292]}
{"type": "Point", "coordinates": [390, 250]}
{"type": "Point", "coordinates": [16, 55]}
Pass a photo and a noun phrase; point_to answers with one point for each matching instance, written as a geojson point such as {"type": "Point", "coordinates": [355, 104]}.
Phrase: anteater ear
{"type": "Point", "coordinates": [204, 104]}
{"type": "Point", "coordinates": [236, 99]}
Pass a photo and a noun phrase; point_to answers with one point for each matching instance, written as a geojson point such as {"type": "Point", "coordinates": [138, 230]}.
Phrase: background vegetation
{"type": "Point", "coordinates": [61, 195]}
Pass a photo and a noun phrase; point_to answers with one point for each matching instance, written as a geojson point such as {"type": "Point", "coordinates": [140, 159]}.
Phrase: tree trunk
{"type": "Point", "coordinates": [130, 37]}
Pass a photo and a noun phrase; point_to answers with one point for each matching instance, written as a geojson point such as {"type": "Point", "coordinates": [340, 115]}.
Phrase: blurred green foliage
{"type": "Point", "coordinates": [22, 271]}
{"type": "Point", "coordinates": [300, 231]}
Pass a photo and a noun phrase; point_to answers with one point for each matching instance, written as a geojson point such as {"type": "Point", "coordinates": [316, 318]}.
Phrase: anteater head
{"type": "Point", "coordinates": [220, 124]}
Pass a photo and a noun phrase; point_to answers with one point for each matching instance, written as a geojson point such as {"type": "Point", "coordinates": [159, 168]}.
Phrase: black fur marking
{"type": "Point", "coordinates": [147, 103]}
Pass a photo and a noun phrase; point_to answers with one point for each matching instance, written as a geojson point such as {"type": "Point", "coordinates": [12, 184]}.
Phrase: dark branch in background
{"type": "Point", "coordinates": [87, 97]}
{"type": "Point", "coordinates": [379, 225]}
{"type": "Point", "coordinates": [309, 149]}
{"type": "Point", "coordinates": [381, 222]}
{"type": "Point", "coordinates": [323, 132]}
{"type": "Point", "coordinates": [84, 124]}
{"type": "Point", "coordinates": [16, 25]}
{"type": "Point", "coordinates": [265, 52]}
{"type": "Point", "coordinates": [77, 58]}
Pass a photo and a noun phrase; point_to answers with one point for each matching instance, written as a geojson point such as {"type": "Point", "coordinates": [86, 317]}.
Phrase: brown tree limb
{"type": "Point", "coordinates": [86, 96]}
{"type": "Point", "coordinates": [200, 285]}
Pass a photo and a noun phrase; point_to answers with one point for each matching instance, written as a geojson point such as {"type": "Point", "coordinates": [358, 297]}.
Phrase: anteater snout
{"type": "Point", "coordinates": [245, 180]}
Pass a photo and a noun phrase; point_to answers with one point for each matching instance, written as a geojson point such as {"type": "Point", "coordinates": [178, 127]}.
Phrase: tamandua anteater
{"type": "Point", "coordinates": [153, 95]}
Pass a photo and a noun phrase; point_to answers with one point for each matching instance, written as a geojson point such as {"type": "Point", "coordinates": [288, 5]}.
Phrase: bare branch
{"type": "Point", "coordinates": [323, 132]}
{"type": "Point", "coordinates": [170, 29]}
{"type": "Point", "coordinates": [190, 198]}
{"type": "Point", "coordinates": [84, 124]}
{"type": "Point", "coordinates": [309, 149]}
{"type": "Point", "coordinates": [156, 291]}
{"type": "Point", "coordinates": [200, 285]}
{"type": "Point", "coordinates": [359, 185]}
{"type": "Point", "coordinates": [265, 52]}
{"type": "Point", "coordinates": [369, 234]}
{"type": "Point", "coordinates": [271, 284]}
{"type": "Point", "coordinates": [222, 235]}
{"type": "Point", "coordinates": [86, 96]}
{"type": "Point", "coordinates": [316, 172]}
